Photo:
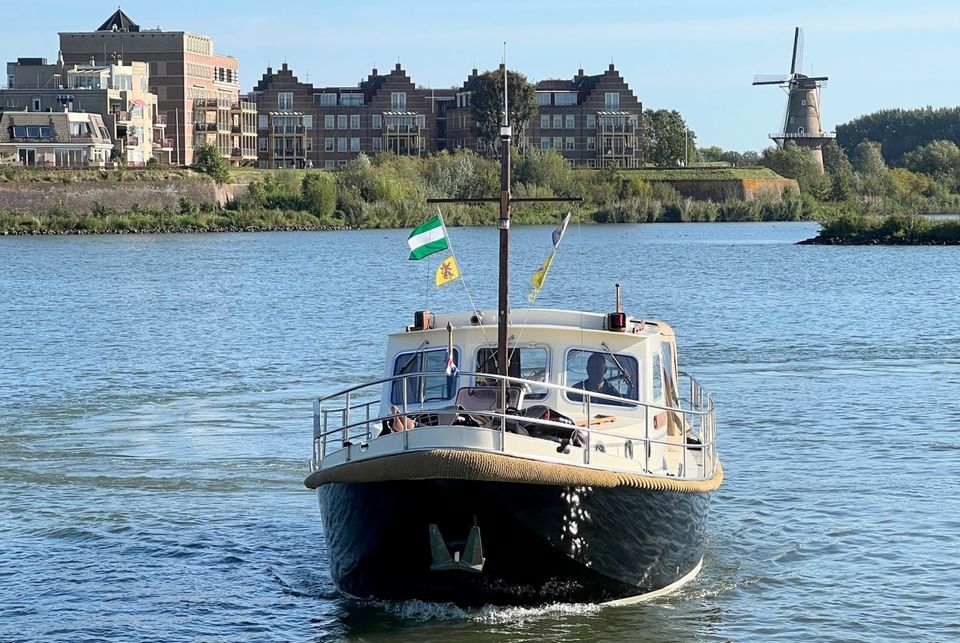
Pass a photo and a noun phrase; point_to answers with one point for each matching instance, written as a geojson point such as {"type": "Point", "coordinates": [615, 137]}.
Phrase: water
{"type": "Point", "coordinates": [155, 424]}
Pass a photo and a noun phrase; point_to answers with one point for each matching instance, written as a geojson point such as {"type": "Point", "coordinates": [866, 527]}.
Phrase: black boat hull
{"type": "Point", "coordinates": [541, 543]}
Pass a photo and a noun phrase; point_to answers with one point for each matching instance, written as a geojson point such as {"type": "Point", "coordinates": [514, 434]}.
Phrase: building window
{"type": "Point", "coordinates": [421, 121]}
{"type": "Point", "coordinates": [309, 144]}
{"type": "Point", "coordinates": [398, 101]}
{"type": "Point", "coordinates": [481, 145]}
{"type": "Point", "coordinates": [544, 142]}
{"type": "Point", "coordinates": [558, 142]}
{"type": "Point", "coordinates": [263, 144]}
{"type": "Point", "coordinates": [543, 98]}
{"type": "Point", "coordinates": [328, 121]}
{"type": "Point", "coordinates": [341, 164]}
{"type": "Point", "coordinates": [569, 144]}
{"type": "Point", "coordinates": [375, 143]}
{"type": "Point", "coordinates": [329, 165]}
{"type": "Point", "coordinates": [325, 100]}
{"type": "Point", "coordinates": [328, 145]}
{"type": "Point", "coordinates": [354, 121]}
{"type": "Point", "coordinates": [341, 145]}
{"type": "Point", "coordinates": [544, 121]}
{"type": "Point", "coordinates": [591, 121]}
{"type": "Point", "coordinates": [570, 121]}
{"type": "Point", "coordinates": [376, 122]}
{"type": "Point", "coordinates": [565, 99]}
{"type": "Point", "coordinates": [285, 100]}
{"type": "Point", "coordinates": [557, 121]}
{"type": "Point", "coordinates": [354, 144]}
{"type": "Point", "coordinates": [351, 100]}
{"type": "Point", "coordinates": [611, 100]}
{"type": "Point", "coordinates": [591, 143]}
{"type": "Point", "coordinates": [341, 121]}
{"type": "Point", "coordinates": [36, 104]}
{"type": "Point", "coordinates": [263, 122]}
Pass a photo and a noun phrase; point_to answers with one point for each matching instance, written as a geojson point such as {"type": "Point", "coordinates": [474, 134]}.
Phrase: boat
{"type": "Point", "coordinates": [518, 458]}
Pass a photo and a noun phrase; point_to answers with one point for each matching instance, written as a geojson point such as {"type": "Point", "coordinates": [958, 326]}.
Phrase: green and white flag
{"type": "Point", "coordinates": [427, 238]}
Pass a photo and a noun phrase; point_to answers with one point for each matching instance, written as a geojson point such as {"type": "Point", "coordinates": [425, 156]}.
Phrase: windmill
{"type": "Point", "coordinates": [801, 123]}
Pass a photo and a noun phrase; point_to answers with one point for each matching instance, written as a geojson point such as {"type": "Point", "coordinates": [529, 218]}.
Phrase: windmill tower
{"type": "Point", "coordinates": [801, 123]}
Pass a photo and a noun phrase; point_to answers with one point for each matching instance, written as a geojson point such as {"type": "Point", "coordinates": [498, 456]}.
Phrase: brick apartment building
{"type": "Point", "coordinates": [117, 92]}
{"type": "Point", "coordinates": [198, 90]}
{"type": "Point", "coordinates": [592, 121]}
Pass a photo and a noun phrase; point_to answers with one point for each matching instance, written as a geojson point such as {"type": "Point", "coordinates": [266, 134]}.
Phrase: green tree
{"type": "Point", "coordinates": [545, 168]}
{"type": "Point", "coordinates": [486, 105]}
{"type": "Point", "coordinates": [867, 158]}
{"type": "Point", "coordinates": [319, 193]}
{"type": "Point", "coordinates": [939, 159]}
{"type": "Point", "coordinates": [666, 139]}
{"type": "Point", "coordinates": [208, 160]}
{"type": "Point", "coordinates": [795, 162]}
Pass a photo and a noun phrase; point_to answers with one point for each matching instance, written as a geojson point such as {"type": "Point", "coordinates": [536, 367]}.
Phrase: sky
{"type": "Point", "coordinates": [698, 57]}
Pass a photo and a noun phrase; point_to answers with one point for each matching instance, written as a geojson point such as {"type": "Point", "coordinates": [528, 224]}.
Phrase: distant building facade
{"type": "Point", "coordinates": [197, 89]}
{"type": "Point", "coordinates": [117, 92]}
{"type": "Point", "coordinates": [54, 139]}
{"type": "Point", "coordinates": [592, 121]}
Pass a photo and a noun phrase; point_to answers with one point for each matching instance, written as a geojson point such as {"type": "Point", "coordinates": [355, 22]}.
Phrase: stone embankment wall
{"type": "Point", "coordinates": [733, 189]}
{"type": "Point", "coordinates": [82, 197]}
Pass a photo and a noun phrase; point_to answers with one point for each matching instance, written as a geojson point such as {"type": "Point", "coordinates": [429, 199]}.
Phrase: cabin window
{"type": "Point", "coordinates": [427, 388]}
{"type": "Point", "coordinates": [619, 375]}
{"type": "Point", "coordinates": [526, 362]}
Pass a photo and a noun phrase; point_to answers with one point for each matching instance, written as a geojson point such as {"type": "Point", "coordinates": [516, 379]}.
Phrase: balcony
{"type": "Point", "coordinates": [133, 141]}
{"type": "Point", "coordinates": [616, 128]}
{"type": "Point", "coordinates": [210, 103]}
{"type": "Point", "coordinates": [617, 152]}
{"type": "Point", "coordinates": [402, 129]}
{"type": "Point", "coordinates": [166, 144]}
{"type": "Point", "coordinates": [205, 127]}
{"type": "Point", "coordinates": [122, 117]}
{"type": "Point", "coordinates": [289, 129]}
{"type": "Point", "coordinates": [159, 120]}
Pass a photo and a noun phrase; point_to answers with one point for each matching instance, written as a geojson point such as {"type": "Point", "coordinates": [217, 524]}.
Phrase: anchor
{"type": "Point", "coordinates": [471, 559]}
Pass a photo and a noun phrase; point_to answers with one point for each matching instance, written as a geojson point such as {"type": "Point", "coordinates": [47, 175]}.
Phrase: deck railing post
{"type": "Point", "coordinates": [346, 420]}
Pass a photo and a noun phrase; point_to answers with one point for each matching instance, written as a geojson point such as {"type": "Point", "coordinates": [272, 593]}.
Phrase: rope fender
{"type": "Point", "coordinates": [456, 464]}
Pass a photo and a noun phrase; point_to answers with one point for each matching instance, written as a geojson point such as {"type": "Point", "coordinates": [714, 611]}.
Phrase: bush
{"type": "Point", "coordinates": [319, 194]}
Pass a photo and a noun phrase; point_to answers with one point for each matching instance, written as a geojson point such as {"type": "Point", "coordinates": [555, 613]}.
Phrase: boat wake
{"type": "Point", "coordinates": [422, 611]}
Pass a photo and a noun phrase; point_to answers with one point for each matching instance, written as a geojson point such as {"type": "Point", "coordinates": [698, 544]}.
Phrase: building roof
{"type": "Point", "coordinates": [60, 122]}
{"type": "Point", "coordinates": [119, 21]}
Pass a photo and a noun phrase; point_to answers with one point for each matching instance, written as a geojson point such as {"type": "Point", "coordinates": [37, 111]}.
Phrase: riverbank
{"type": "Point", "coordinates": [899, 230]}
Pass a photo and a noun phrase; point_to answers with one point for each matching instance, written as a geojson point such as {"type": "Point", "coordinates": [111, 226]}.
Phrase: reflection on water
{"type": "Point", "coordinates": [155, 411]}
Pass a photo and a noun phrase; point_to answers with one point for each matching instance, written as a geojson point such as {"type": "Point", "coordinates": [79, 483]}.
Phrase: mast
{"type": "Point", "coordinates": [503, 223]}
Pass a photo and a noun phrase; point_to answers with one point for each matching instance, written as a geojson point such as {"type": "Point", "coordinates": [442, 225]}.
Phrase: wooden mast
{"type": "Point", "coordinates": [503, 224]}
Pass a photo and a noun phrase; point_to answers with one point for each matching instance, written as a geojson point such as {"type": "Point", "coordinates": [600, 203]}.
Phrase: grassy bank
{"type": "Point", "coordinates": [891, 230]}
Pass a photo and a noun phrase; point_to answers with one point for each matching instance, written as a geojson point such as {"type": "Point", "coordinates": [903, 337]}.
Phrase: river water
{"type": "Point", "coordinates": [155, 422]}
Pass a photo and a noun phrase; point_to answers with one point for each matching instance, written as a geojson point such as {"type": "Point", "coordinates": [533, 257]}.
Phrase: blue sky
{"type": "Point", "coordinates": [696, 56]}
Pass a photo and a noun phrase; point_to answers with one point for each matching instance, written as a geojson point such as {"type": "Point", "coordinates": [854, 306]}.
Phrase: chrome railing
{"type": "Point", "coordinates": [351, 418]}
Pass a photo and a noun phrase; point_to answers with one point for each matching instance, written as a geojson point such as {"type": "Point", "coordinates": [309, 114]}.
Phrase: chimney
{"type": "Point", "coordinates": [611, 67]}
{"type": "Point", "coordinates": [397, 67]}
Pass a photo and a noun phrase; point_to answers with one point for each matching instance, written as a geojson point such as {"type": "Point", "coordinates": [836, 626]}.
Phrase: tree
{"type": "Point", "coordinates": [319, 193]}
{"type": "Point", "coordinates": [795, 162]}
{"type": "Point", "coordinates": [867, 159]}
{"type": "Point", "coordinates": [208, 160]}
{"type": "Point", "coordinates": [666, 138]}
{"type": "Point", "coordinates": [486, 105]}
{"type": "Point", "coordinates": [938, 159]}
